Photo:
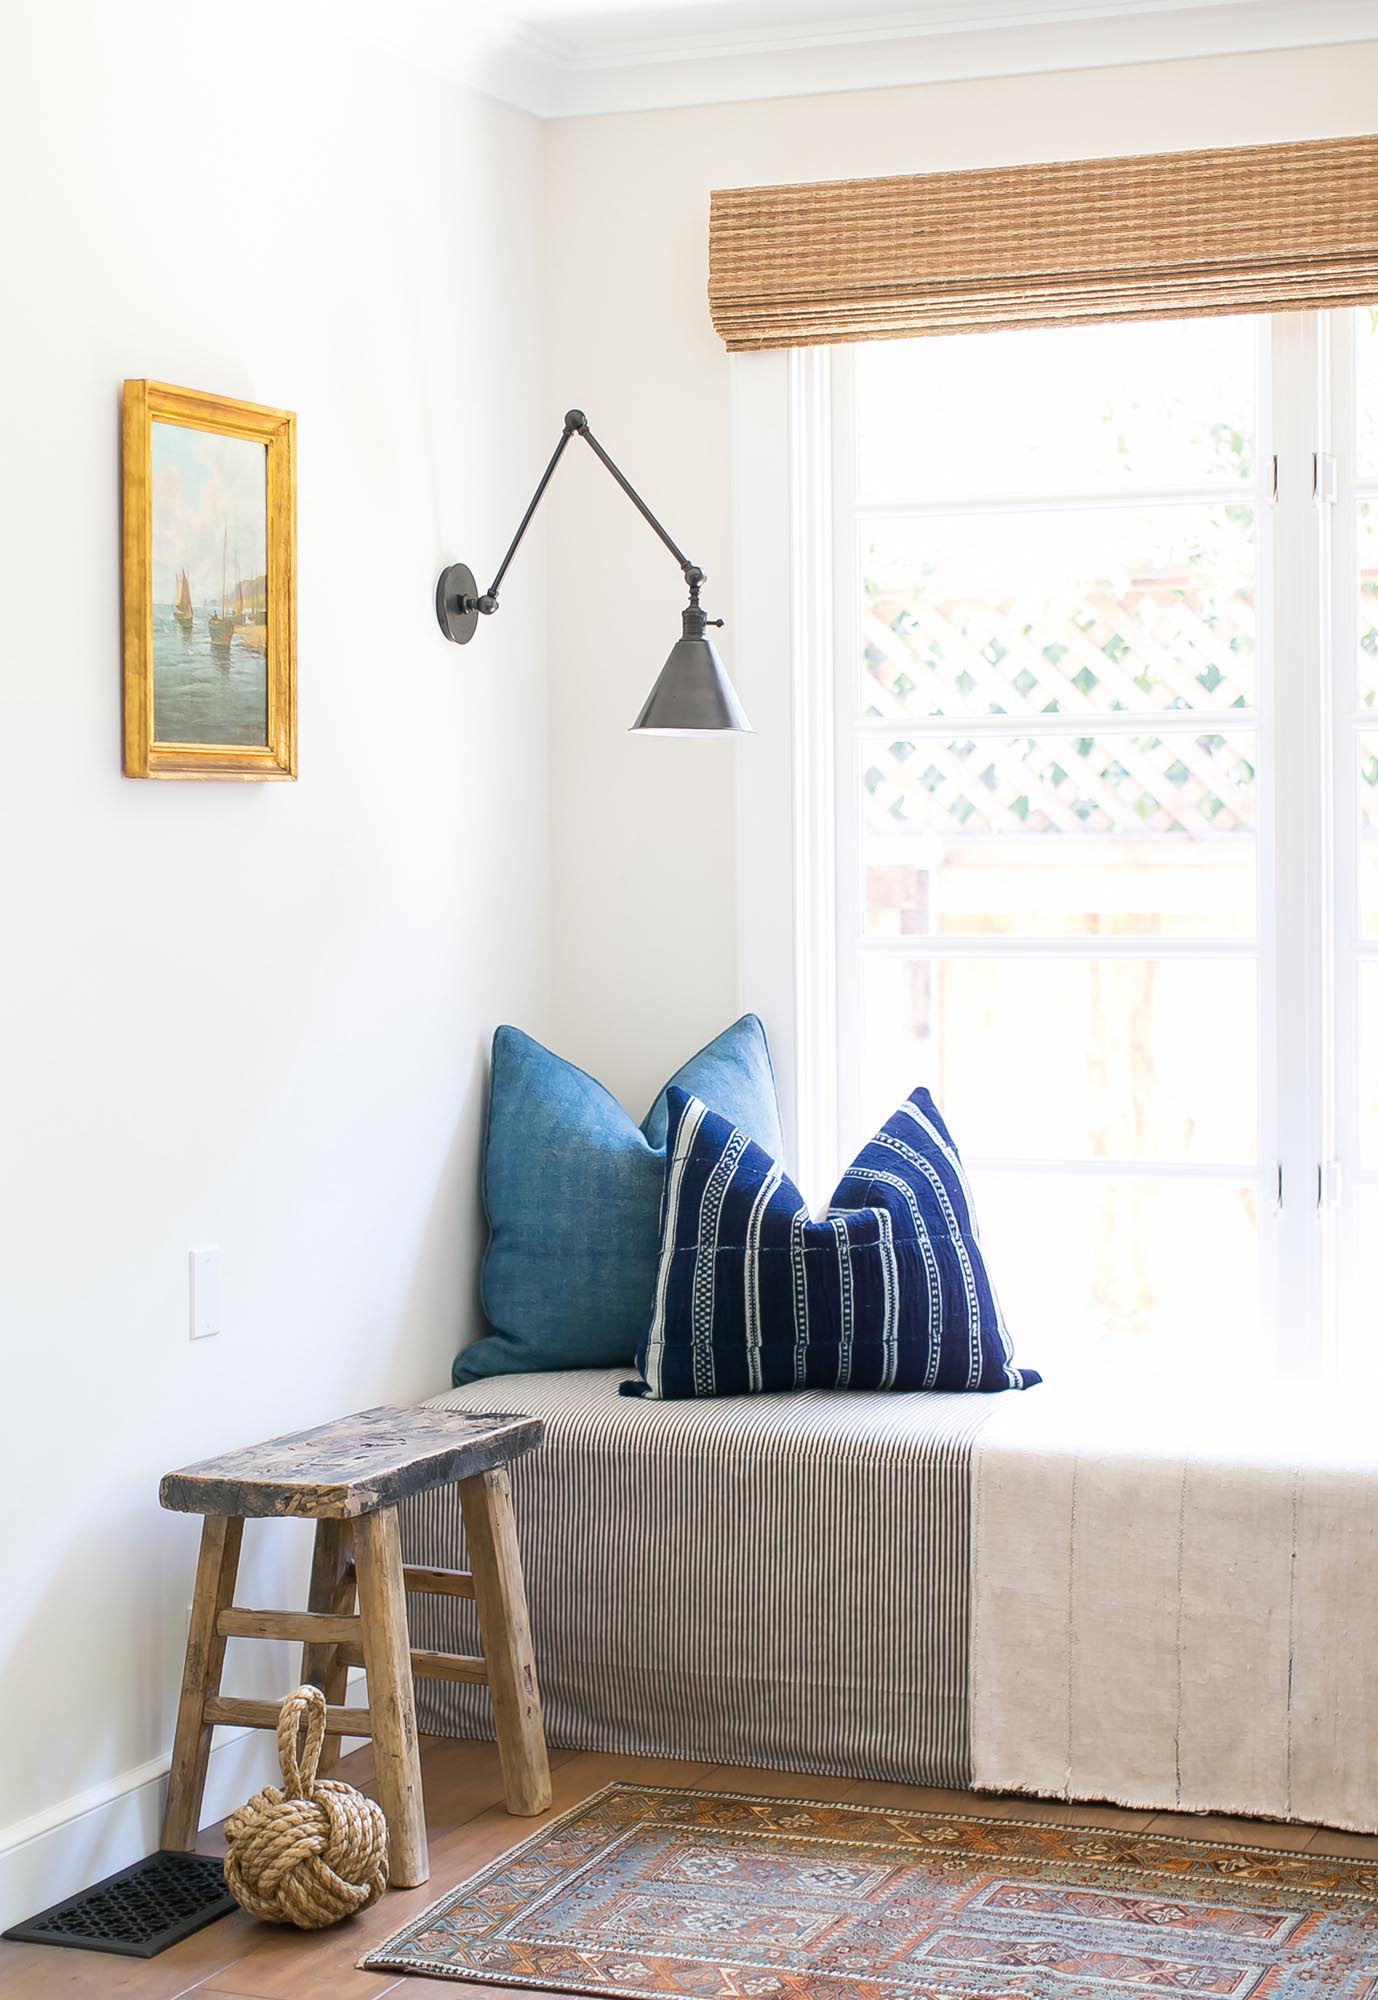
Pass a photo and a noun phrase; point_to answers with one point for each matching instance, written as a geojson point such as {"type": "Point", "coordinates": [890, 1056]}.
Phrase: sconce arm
{"type": "Point", "coordinates": [457, 603]}
{"type": "Point", "coordinates": [577, 425]}
{"type": "Point", "coordinates": [488, 602]}
{"type": "Point", "coordinates": [575, 420]}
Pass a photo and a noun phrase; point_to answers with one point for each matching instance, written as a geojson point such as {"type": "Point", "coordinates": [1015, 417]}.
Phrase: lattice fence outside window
{"type": "Point", "coordinates": [1170, 640]}
{"type": "Point", "coordinates": [1123, 785]}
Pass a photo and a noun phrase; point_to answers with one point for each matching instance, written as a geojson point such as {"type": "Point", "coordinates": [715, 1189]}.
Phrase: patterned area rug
{"type": "Point", "coordinates": [644, 1892]}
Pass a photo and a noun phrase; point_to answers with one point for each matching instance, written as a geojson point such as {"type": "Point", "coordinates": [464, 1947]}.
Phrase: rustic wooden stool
{"type": "Point", "coordinates": [348, 1477]}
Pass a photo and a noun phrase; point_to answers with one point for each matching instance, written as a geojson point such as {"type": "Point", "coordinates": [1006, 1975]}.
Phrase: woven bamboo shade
{"type": "Point", "coordinates": [1167, 235]}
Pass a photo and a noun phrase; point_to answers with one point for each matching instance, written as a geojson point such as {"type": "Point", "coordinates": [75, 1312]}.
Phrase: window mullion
{"type": "Point", "coordinates": [1035, 722]}
{"type": "Point", "coordinates": [846, 614]}
{"type": "Point", "coordinates": [1341, 1226]}
{"type": "Point", "coordinates": [1055, 500]}
{"type": "Point", "coordinates": [1293, 761]}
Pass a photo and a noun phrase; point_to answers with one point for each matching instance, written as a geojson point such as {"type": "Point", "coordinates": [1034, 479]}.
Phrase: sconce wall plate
{"type": "Point", "coordinates": [456, 603]}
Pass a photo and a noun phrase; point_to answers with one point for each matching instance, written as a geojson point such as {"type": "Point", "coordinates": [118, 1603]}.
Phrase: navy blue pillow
{"type": "Point", "coordinates": [572, 1188]}
{"type": "Point", "coordinates": [889, 1292]}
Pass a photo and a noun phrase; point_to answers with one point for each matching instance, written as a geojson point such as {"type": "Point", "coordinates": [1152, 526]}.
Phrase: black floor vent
{"type": "Point", "coordinates": [138, 1912]}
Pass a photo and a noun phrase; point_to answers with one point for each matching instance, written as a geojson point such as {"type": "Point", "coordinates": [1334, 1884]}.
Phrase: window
{"type": "Point", "coordinates": [1104, 828]}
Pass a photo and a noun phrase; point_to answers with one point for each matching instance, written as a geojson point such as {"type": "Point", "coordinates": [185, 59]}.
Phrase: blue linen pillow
{"type": "Point", "coordinates": [572, 1189]}
{"type": "Point", "coordinates": [889, 1292]}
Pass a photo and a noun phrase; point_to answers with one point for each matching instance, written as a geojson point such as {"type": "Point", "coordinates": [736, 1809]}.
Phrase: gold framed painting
{"type": "Point", "coordinates": [210, 605]}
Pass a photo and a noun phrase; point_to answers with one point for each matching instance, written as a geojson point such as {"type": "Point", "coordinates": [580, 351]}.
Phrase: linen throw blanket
{"type": "Point", "coordinates": [1175, 1601]}
{"type": "Point", "coordinates": [1165, 1604]}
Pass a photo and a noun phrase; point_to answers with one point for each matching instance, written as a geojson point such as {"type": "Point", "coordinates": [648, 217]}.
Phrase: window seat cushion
{"type": "Point", "coordinates": [1162, 1595]}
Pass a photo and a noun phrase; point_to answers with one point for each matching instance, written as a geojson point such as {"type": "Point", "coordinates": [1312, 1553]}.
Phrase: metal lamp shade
{"type": "Point", "coordinates": [693, 692]}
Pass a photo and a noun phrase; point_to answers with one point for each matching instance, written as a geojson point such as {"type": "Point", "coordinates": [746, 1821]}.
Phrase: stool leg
{"type": "Point", "coordinates": [332, 1589]}
{"type": "Point", "coordinates": [216, 1570]}
{"type": "Point", "coordinates": [391, 1707]}
{"type": "Point", "coordinates": [500, 1593]}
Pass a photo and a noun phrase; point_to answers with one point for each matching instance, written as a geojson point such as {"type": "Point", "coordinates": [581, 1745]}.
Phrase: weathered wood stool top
{"type": "Point", "coordinates": [340, 1470]}
{"type": "Point", "coordinates": [349, 1477]}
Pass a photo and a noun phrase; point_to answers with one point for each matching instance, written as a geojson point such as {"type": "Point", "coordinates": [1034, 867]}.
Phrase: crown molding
{"type": "Point", "coordinates": [542, 57]}
{"type": "Point", "coordinates": [713, 29]}
{"type": "Point", "coordinates": [561, 66]}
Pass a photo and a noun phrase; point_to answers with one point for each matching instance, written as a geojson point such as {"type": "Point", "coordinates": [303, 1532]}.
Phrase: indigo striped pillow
{"type": "Point", "coordinates": [889, 1291]}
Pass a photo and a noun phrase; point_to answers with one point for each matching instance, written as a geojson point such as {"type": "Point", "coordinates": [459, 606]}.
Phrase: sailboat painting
{"type": "Point", "coordinates": [210, 555]}
{"type": "Point", "coordinates": [210, 687]}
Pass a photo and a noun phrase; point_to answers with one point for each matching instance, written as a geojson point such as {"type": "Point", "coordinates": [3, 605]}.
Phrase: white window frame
{"type": "Point", "coordinates": [799, 873]}
{"type": "Point", "coordinates": [1342, 1175]}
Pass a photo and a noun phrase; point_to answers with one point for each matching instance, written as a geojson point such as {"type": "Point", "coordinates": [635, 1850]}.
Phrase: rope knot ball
{"type": "Point", "coordinates": [314, 1852]}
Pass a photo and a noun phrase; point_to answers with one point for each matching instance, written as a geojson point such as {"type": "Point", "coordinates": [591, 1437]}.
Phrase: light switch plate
{"type": "Point", "coordinates": [205, 1294]}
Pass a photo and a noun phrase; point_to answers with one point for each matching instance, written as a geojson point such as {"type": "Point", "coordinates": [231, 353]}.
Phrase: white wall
{"type": "Point", "coordinates": [246, 1015]}
{"type": "Point", "coordinates": [645, 868]}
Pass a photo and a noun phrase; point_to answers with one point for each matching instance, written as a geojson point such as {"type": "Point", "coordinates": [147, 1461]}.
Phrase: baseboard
{"type": "Point", "coordinates": [84, 1838]}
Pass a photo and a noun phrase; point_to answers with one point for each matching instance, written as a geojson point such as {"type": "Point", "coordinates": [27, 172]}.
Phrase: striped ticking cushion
{"type": "Point", "coordinates": [889, 1291]}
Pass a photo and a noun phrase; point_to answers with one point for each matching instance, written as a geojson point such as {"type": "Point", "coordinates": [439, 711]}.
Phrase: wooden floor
{"type": "Point", "coordinates": [238, 1959]}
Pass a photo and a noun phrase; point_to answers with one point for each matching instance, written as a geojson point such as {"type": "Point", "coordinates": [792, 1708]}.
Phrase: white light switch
{"type": "Point", "coordinates": [205, 1293]}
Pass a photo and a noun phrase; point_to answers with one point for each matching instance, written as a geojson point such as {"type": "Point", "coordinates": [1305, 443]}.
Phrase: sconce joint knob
{"type": "Point", "coordinates": [575, 420]}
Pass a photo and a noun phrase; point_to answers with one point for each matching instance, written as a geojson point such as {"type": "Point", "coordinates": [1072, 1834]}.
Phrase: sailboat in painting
{"type": "Point", "coordinates": [252, 630]}
{"type": "Point", "coordinates": [181, 609]}
{"type": "Point", "coordinates": [222, 628]}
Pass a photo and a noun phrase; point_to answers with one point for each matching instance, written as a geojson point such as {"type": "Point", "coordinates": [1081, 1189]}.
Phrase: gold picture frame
{"type": "Point", "coordinates": [210, 666]}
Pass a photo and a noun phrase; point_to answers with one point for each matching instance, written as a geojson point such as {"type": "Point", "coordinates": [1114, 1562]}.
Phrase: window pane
{"type": "Point", "coordinates": [1085, 1269]}
{"type": "Point", "coordinates": [1368, 606]}
{"type": "Point", "coordinates": [1077, 1059]}
{"type": "Point", "coordinates": [1063, 836]}
{"type": "Point", "coordinates": [1368, 1065]}
{"type": "Point", "coordinates": [1075, 612]}
{"type": "Point", "coordinates": [1366, 1276]}
{"type": "Point", "coordinates": [1066, 410]}
{"type": "Point", "coordinates": [1366, 346]}
{"type": "Point", "coordinates": [1368, 835]}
